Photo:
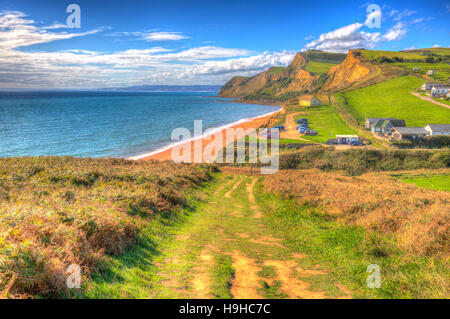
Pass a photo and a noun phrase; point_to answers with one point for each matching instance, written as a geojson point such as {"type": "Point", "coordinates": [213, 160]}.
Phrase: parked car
{"type": "Point", "coordinates": [311, 132]}
{"type": "Point", "coordinates": [302, 130]}
{"type": "Point", "coordinates": [302, 121]}
{"type": "Point", "coordinates": [355, 143]}
{"type": "Point", "coordinates": [280, 128]}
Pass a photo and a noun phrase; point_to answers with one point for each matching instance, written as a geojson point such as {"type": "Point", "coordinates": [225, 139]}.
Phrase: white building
{"type": "Point", "coordinates": [429, 86]}
{"type": "Point", "coordinates": [439, 91]}
{"type": "Point", "coordinates": [430, 72]}
{"type": "Point", "coordinates": [438, 129]}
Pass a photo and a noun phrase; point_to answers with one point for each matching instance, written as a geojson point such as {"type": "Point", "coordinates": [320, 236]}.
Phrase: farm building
{"type": "Point", "coordinates": [430, 72]}
{"type": "Point", "coordinates": [370, 121]}
{"type": "Point", "coordinates": [309, 100]}
{"type": "Point", "coordinates": [408, 133]}
{"type": "Point", "coordinates": [347, 139]}
{"type": "Point", "coordinates": [429, 86]}
{"type": "Point", "coordinates": [416, 69]}
{"type": "Point", "coordinates": [438, 129]}
{"type": "Point", "coordinates": [440, 91]}
{"type": "Point", "coordinates": [384, 126]}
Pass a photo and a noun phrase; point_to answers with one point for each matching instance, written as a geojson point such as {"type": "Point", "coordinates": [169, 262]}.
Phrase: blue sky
{"type": "Point", "coordinates": [123, 43]}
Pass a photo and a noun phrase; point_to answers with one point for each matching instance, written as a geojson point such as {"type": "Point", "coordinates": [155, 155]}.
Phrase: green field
{"type": "Point", "coordinates": [392, 99]}
{"type": "Point", "coordinates": [441, 70]}
{"type": "Point", "coordinates": [440, 51]}
{"type": "Point", "coordinates": [318, 67]}
{"type": "Point", "coordinates": [438, 182]}
{"type": "Point", "coordinates": [277, 70]}
{"type": "Point", "coordinates": [326, 122]}
{"type": "Point", "coordinates": [372, 54]}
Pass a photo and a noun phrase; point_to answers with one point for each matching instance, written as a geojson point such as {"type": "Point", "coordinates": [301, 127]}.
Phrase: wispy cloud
{"type": "Point", "coordinates": [90, 69]}
{"type": "Point", "coordinates": [397, 32]}
{"type": "Point", "coordinates": [353, 36]}
{"type": "Point", "coordinates": [18, 31]}
{"type": "Point", "coordinates": [403, 14]}
{"type": "Point", "coordinates": [165, 36]}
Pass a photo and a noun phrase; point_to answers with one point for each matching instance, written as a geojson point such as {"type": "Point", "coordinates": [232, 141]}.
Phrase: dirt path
{"type": "Point", "coordinates": [291, 132]}
{"type": "Point", "coordinates": [226, 251]}
{"type": "Point", "coordinates": [429, 99]}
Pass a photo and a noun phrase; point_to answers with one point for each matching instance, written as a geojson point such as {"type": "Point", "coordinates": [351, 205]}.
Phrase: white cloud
{"type": "Point", "coordinates": [17, 31]}
{"type": "Point", "coordinates": [344, 38]}
{"type": "Point", "coordinates": [409, 48]}
{"type": "Point", "coordinates": [92, 69]}
{"type": "Point", "coordinates": [436, 46]}
{"type": "Point", "coordinates": [55, 26]}
{"type": "Point", "coordinates": [353, 37]}
{"type": "Point", "coordinates": [255, 63]}
{"type": "Point", "coordinates": [397, 32]}
{"type": "Point", "coordinates": [403, 14]}
{"type": "Point", "coordinates": [165, 36]}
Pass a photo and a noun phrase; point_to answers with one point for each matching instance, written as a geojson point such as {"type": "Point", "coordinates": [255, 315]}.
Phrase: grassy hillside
{"type": "Point", "coordinates": [277, 70]}
{"type": "Point", "coordinates": [345, 224]}
{"type": "Point", "coordinates": [325, 121]}
{"type": "Point", "coordinates": [392, 99]}
{"type": "Point", "coordinates": [438, 180]}
{"type": "Point", "coordinates": [322, 56]}
{"type": "Point", "coordinates": [59, 211]}
{"type": "Point", "coordinates": [436, 51]}
{"type": "Point", "coordinates": [441, 70]}
{"type": "Point", "coordinates": [373, 54]}
{"type": "Point", "coordinates": [319, 67]}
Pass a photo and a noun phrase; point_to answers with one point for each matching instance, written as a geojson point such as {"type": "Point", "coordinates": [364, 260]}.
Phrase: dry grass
{"type": "Point", "coordinates": [58, 211]}
{"type": "Point", "coordinates": [418, 219]}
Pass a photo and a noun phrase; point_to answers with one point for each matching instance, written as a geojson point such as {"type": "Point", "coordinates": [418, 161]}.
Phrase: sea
{"type": "Point", "coordinates": [109, 124]}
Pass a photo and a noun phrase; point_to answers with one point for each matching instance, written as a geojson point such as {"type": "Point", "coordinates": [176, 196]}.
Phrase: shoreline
{"type": "Point", "coordinates": [165, 153]}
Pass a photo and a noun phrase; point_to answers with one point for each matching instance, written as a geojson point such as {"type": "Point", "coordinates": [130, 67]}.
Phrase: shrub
{"type": "Point", "coordinates": [58, 211]}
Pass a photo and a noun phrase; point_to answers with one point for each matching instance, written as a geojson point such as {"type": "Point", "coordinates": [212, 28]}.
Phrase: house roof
{"type": "Point", "coordinates": [440, 87]}
{"type": "Point", "coordinates": [440, 127]}
{"type": "Point", "coordinates": [395, 122]}
{"type": "Point", "coordinates": [347, 136]}
{"type": "Point", "coordinates": [374, 119]}
{"type": "Point", "coordinates": [411, 130]}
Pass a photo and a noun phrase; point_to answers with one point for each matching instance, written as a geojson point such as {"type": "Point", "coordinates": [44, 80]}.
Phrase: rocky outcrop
{"type": "Point", "coordinates": [346, 73]}
{"type": "Point", "coordinates": [295, 80]}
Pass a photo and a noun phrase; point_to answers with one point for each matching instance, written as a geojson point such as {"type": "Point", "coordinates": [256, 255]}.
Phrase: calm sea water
{"type": "Point", "coordinates": [107, 124]}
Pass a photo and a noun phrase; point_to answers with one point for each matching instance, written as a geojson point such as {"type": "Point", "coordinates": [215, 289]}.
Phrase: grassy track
{"type": "Point", "coordinates": [221, 249]}
{"type": "Point", "coordinates": [392, 99]}
{"type": "Point", "coordinates": [240, 242]}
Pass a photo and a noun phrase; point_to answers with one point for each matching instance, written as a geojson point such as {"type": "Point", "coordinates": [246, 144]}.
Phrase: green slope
{"type": "Point", "coordinates": [319, 67]}
{"type": "Point", "coordinates": [393, 99]}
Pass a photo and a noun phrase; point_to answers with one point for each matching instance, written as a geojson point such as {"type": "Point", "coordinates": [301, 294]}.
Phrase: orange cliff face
{"type": "Point", "coordinates": [240, 86]}
{"type": "Point", "coordinates": [296, 79]}
{"type": "Point", "coordinates": [346, 73]}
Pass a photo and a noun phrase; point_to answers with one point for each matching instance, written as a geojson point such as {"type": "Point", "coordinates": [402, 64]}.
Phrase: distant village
{"type": "Point", "coordinates": [393, 129]}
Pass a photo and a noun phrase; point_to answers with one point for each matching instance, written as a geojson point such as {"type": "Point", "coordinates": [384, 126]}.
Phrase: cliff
{"type": "Point", "coordinates": [296, 80]}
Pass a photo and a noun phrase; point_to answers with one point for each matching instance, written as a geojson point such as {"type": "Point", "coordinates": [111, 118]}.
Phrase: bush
{"type": "Point", "coordinates": [358, 161]}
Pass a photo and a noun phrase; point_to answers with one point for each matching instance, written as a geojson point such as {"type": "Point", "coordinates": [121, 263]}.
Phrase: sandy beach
{"type": "Point", "coordinates": [166, 154]}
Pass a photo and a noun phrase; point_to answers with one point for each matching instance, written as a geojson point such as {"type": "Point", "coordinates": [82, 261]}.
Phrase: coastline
{"type": "Point", "coordinates": [165, 153]}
